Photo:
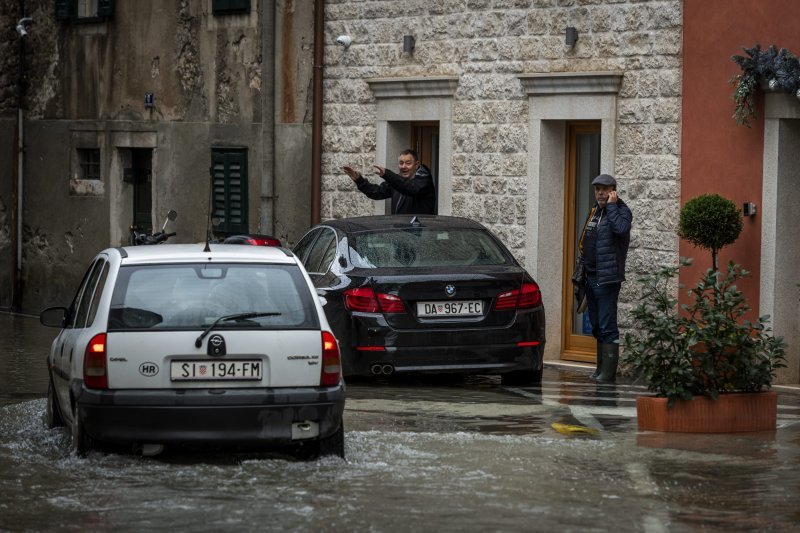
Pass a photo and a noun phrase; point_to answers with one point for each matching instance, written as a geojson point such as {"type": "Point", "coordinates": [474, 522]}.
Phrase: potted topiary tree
{"type": "Point", "coordinates": [705, 361]}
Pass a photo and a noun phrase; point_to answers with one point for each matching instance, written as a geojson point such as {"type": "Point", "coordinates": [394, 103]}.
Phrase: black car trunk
{"type": "Point", "coordinates": [448, 297]}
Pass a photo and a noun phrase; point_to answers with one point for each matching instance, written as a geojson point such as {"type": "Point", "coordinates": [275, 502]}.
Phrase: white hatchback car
{"type": "Point", "coordinates": [172, 344]}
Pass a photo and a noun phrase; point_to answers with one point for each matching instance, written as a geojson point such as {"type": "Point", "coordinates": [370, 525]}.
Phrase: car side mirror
{"type": "Point", "coordinates": [53, 317]}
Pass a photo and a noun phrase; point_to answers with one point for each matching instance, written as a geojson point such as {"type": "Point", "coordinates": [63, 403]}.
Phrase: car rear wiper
{"type": "Point", "coordinates": [237, 316]}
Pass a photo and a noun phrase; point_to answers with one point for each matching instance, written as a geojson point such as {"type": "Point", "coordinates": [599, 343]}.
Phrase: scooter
{"type": "Point", "coordinates": [138, 239]}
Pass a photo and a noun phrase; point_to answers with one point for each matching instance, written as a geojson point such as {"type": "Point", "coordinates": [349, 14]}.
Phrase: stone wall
{"type": "Point", "coordinates": [487, 44]}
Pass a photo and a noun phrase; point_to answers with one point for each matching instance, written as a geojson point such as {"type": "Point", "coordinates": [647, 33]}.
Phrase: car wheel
{"type": "Point", "coordinates": [81, 442]}
{"type": "Point", "coordinates": [333, 445]}
{"type": "Point", "coordinates": [522, 377]}
{"type": "Point", "coordinates": [52, 414]}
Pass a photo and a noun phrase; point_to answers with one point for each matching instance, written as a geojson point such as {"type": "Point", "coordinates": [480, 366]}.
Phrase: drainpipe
{"type": "Point", "coordinates": [316, 120]}
{"type": "Point", "coordinates": [19, 147]}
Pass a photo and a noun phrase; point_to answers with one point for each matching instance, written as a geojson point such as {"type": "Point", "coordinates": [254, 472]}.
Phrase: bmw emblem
{"type": "Point", "coordinates": [450, 290]}
{"type": "Point", "coordinates": [216, 345]}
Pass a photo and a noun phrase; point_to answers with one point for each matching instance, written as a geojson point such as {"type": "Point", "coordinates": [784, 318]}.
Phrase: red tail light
{"type": "Point", "coordinates": [364, 299]}
{"type": "Point", "coordinates": [331, 362]}
{"type": "Point", "coordinates": [523, 298]}
{"type": "Point", "coordinates": [263, 241]}
{"type": "Point", "coordinates": [94, 363]}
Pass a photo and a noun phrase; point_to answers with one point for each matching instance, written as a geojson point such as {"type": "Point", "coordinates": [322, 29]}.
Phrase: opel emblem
{"type": "Point", "coordinates": [450, 290]}
{"type": "Point", "coordinates": [216, 345]}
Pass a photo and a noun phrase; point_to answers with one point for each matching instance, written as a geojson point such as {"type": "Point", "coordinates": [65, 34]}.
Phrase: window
{"type": "Point", "coordinates": [76, 316]}
{"type": "Point", "coordinates": [192, 296]}
{"type": "Point", "coordinates": [225, 7]}
{"type": "Point", "coordinates": [89, 161]}
{"type": "Point", "coordinates": [321, 255]}
{"type": "Point", "coordinates": [426, 247]}
{"type": "Point", "coordinates": [83, 10]}
{"type": "Point", "coordinates": [229, 189]}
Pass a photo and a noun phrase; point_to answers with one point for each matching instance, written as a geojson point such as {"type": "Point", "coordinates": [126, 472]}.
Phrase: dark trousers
{"type": "Point", "coordinates": [603, 310]}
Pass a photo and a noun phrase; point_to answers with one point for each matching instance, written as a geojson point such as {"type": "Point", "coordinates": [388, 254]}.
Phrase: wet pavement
{"type": "Point", "coordinates": [432, 454]}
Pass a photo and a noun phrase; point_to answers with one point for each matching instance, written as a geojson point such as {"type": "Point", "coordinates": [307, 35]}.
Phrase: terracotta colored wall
{"type": "Point", "coordinates": [718, 155]}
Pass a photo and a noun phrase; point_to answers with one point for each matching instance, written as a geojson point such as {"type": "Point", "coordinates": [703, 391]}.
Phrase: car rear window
{"type": "Point", "coordinates": [191, 296]}
{"type": "Point", "coordinates": [426, 247]}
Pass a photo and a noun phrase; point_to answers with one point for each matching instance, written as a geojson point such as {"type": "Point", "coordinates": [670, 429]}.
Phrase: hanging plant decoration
{"type": "Point", "coordinates": [779, 68]}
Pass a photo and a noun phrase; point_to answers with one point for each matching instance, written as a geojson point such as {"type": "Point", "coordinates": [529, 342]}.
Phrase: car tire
{"type": "Point", "coordinates": [81, 442]}
{"type": "Point", "coordinates": [52, 414]}
{"type": "Point", "coordinates": [522, 377]}
{"type": "Point", "coordinates": [333, 445]}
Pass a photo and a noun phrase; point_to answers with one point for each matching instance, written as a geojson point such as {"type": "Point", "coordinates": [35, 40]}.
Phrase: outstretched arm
{"type": "Point", "coordinates": [375, 192]}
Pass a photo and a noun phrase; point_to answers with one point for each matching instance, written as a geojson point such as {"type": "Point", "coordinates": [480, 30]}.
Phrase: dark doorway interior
{"type": "Point", "coordinates": [425, 141]}
{"type": "Point", "coordinates": [142, 180]}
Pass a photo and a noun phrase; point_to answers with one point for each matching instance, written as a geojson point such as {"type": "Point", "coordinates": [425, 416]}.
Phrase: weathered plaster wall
{"type": "Point", "coordinates": [88, 81]}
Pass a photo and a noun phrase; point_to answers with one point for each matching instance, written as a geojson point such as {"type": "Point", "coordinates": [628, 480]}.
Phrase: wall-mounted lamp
{"type": "Point", "coordinates": [21, 26]}
{"type": "Point", "coordinates": [572, 36]}
{"type": "Point", "coordinates": [408, 44]}
{"type": "Point", "coordinates": [749, 209]}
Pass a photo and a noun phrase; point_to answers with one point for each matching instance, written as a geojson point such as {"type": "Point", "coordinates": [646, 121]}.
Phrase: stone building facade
{"type": "Point", "coordinates": [503, 87]}
{"type": "Point", "coordinates": [130, 109]}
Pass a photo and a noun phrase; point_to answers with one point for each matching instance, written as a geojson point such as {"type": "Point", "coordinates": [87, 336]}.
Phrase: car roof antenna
{"type": "Point", "coordinates": [415, 221]}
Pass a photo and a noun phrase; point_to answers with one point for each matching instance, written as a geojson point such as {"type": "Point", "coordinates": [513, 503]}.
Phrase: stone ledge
{"type": "Point", "coordinates": [412, 87]}
{"type": "Point", "coordinates": [571, 83]}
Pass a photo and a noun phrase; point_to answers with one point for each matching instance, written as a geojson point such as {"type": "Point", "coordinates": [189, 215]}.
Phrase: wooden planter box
{"type": "Point", "coordinates": [729, 413]}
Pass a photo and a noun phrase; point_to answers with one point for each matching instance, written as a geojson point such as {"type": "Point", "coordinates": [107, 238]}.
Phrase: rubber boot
{"type": "Point", "coordinates": [599, 362]}
{"type": "Point", "coordinates": [608, 368]}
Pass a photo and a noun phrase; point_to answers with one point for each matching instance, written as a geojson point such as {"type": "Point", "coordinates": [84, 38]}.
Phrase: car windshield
{"type": "Point", "coordinates": [425, 247]}
{"type": "Point", "coordinates": [191, 296]}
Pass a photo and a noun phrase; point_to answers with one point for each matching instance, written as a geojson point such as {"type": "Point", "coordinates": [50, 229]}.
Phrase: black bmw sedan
{"type": "Point", "coordinates": [433, 294]}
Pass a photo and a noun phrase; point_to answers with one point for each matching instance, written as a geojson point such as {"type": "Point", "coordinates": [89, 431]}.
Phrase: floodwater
{"type": "Point", "coordinates": [444, 455]}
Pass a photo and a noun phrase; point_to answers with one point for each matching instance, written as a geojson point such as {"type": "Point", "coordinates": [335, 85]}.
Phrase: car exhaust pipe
{"type": "Point", "coordinates": [387, 370]}
{"type": "Point", "coordinates": [147, 450]}
{"type": "Point", "coordinates": [376, 370]}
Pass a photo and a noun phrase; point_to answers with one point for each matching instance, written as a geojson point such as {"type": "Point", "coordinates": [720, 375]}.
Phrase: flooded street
{"type": "Point", "coordinates": [445, 455]}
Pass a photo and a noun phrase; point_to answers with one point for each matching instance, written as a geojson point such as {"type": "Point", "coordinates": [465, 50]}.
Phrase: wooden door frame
{"type": "Point", "coordinates": [574, 347]}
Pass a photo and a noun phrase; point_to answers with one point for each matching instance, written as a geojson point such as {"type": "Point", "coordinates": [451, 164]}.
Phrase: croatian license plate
{"type": "Point", "coordinates": [232, 370]}
{"type": "Point", "coordinates": [451, 308]}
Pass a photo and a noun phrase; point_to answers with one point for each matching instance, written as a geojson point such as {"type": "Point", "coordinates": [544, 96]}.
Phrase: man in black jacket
{"type": "Point", "coordinates": [604, 245]}
{"type": "Point", "coordinates": [412, 191]}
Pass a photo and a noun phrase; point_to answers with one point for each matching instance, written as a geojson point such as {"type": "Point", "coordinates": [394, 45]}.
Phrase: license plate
{"type": "Point", "coordinates": [451, 308]}
{"type": "Point", "coordinates": [239, 370]}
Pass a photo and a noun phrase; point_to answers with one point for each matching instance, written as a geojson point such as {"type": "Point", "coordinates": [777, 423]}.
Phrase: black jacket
{"type": "Point", "coordinates": [413, 196]}
{"type": "Point", "coordinates": [613, 236]}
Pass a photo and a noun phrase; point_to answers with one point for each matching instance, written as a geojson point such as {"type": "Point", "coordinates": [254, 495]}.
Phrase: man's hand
{"type": "Point", "coordinates": [612, 197]}
{"type": "Point", "coordinates": [379, 170]}
{"type": "Point", "coordinates": [354, 175]}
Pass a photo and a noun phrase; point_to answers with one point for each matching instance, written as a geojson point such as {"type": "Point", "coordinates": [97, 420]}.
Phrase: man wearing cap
{"type": "Point", "coordinates": [604, 245]}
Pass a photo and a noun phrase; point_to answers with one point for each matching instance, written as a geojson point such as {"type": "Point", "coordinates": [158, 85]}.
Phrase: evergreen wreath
{"type": "Point", "coordinates": [780, 68]}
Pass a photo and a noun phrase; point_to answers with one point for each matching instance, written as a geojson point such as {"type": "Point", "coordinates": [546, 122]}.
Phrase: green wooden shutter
{"type": "Point", "coordinates": [62, 9]}
{"type": "Point", "coordinates": [229, 189]}
{"type": "Point", "coordinates": [105, 8]}
{"type": "Point", "coordinates": [223, 7]}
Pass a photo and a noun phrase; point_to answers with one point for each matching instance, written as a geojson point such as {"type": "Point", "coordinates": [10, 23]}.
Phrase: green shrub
{"type": "Point", "coordinates": [711, 222]}
{"type": "Point", "coordinates": [707, 350]}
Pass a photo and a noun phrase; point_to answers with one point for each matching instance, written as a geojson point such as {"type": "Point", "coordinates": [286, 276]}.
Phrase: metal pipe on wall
{"type": "Point", "coordinates": [316, 120]}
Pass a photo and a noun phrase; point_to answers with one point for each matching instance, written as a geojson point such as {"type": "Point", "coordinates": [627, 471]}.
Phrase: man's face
{"type": "Point", "coordinates": [601, 194]}
{"type": "Point", "coordinates": [408, 167]}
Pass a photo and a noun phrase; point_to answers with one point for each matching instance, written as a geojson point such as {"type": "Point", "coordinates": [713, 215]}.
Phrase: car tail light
{"type": "Point", "coordinates": [263, 241]}
{"type": "Point", "coordinates": [525, 297]}
{"type": "Point", "coordinates": [94, 363]}
{"type": "Point", "coordinates": [331, 361]}
{"type": "Point", "coordinates": [364, 299]}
